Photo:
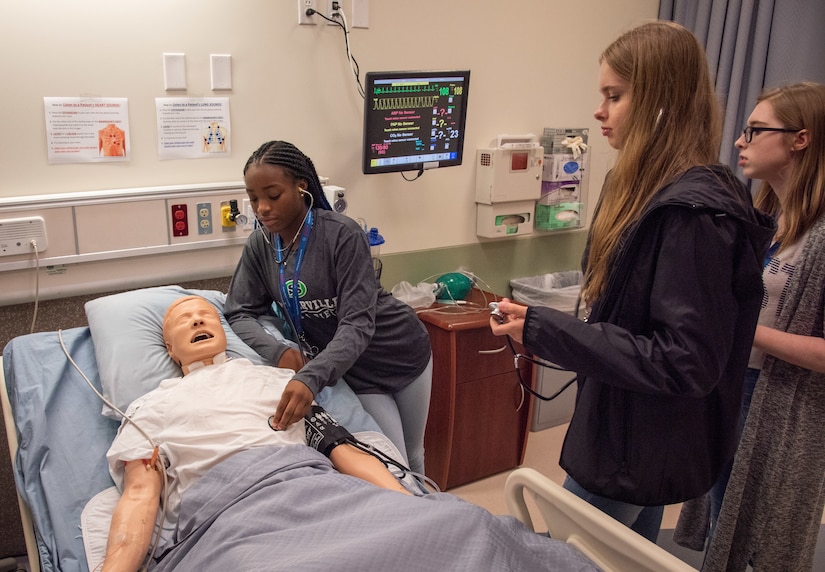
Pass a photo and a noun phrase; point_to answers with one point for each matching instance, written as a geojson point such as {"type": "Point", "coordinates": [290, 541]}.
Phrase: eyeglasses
{"type": "Point", "coordinates": [749, 131]}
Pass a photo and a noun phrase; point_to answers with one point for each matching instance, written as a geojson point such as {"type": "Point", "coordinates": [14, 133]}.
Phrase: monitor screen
{"type": "Point", "coordinates": [414, 120]}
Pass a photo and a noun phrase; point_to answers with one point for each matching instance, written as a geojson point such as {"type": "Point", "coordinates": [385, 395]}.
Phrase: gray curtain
{"type": "Point", "coordinates": [752, 45]}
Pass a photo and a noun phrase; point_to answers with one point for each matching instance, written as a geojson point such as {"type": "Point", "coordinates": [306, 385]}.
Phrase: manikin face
{"type": "Point", "coordinates": [768, 156]}
{"type": "Point", "coordinates": [192, 331]}
{"type": "Point", "coordinates": [615, 106]}
{"type": "Point", "coordinates": [276, 198]}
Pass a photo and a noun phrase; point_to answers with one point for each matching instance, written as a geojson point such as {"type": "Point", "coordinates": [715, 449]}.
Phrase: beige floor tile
{"type": "Point", "coordinates": [543, 450]}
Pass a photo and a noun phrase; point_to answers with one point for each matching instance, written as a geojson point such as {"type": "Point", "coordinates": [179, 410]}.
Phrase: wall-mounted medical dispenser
{"type": "Point", "coordinates": [508, 182]}
{"type": "Point", "coordinates": [563, 201]}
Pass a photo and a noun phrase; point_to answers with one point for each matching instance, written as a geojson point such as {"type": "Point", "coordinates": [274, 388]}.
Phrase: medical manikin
{"type": "Point", "coordinates": [187, 425]}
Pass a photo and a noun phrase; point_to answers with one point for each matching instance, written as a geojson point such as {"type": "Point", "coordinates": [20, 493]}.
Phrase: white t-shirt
{"type": "Point", "coordinates": [776, 276]}
{"type": "Point", "coordinates": [201, 419]}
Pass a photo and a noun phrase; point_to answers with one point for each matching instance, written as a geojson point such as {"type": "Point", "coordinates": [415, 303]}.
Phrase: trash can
{"type": "Point", "coordinates": [559, 290]}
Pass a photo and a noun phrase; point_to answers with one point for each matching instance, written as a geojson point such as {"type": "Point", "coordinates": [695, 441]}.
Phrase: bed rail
{"type": "Point", "coordinates": [610, 544]}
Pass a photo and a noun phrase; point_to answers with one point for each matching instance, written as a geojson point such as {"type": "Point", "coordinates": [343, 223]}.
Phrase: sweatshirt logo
{"type": "Point", "coordinates": [321, 308]}
{"type": "Point", "coordinates": [302, 289]}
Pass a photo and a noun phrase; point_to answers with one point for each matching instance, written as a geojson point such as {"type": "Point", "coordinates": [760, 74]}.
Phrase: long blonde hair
{"type": "Point", "coordinates": [673, 124]}
{"type": "Point", "coordinates": [798, 106]}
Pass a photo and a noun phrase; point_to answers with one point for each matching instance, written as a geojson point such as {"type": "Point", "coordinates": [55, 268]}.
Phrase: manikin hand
{"type": "Point", "coordinates": [294, 404]}
{"type": "Point", "coordinates": [291, 359]}
{"type": "Point", "coordinates": [513, 324]}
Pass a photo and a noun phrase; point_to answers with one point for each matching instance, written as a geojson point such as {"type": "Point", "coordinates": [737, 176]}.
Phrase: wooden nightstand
{"type": "Point", "coordinates": [477, 425]}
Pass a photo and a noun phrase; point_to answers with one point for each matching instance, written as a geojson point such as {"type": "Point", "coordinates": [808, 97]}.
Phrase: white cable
{"type": "Point", "coordinates": [100, 395]}
{"type": "Point", "coordinates": [36, 284]}
{"type": "Point", "coordinates": [351, 60]}
{"type": "Point", "coordinates": [165, 482]}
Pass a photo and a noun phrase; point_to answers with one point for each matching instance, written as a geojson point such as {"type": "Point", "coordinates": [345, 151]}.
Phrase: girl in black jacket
{"type": "Point", "coordinates": [671, 285]}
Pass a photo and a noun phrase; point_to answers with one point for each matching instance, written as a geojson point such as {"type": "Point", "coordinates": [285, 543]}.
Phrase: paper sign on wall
{"type": "Point", "coordinates": [87, 130]}
{"type": "Point", "coordinates": [193, 128]}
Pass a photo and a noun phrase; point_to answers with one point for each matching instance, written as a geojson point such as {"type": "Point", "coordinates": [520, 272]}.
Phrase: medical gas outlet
{"type": "Point", "coordinates": [508, 183]}
{"type": "Point", "coordinates": [336, 197]}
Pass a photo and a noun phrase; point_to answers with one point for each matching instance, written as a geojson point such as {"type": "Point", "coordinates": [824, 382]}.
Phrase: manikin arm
{"type": "Point", "coordinates": [352, 461]}
{"type": "Point", "coordinates": [133, 520]}
{"type": "Point", "coordinates": [328, 437]}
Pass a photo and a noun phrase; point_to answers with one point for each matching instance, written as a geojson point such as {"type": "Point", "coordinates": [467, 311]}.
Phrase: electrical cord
{"type": "Point", "coordinates": [352, 61]}
{"type": "Point", "coordinates": [356, 70]}
{"type": "Point", "coordinates": [420, 172]}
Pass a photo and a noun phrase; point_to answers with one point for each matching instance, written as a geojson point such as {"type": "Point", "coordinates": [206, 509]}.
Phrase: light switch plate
{"type": "Point", "coordinates": [360, 13]}
{"type": "Point", "coordinates": [221, 65]}
{"type": "Point", "coordinates": [174, 71]}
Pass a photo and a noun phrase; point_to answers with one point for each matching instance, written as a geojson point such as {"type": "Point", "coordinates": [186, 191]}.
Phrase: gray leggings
{"type": "Point", "coordinates": [402, 416]}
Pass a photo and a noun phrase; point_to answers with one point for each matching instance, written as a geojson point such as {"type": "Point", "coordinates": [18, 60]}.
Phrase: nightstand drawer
{"type": "Point", "coordinates": [481, 354]}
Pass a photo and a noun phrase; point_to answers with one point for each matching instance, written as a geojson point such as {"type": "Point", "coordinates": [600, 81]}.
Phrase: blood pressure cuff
{"type": "Point", "coordinates": [323, 432]}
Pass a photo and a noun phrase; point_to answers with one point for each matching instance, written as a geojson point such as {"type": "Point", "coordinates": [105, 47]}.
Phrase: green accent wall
{"type": "Point", "coordinates": [494, 262]}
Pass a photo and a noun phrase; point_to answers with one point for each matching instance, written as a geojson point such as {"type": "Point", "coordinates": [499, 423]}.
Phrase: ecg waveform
{"type": "Point", "coordinates": [416, 102]}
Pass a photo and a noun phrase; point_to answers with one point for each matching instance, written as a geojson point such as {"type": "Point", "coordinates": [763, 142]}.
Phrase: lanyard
{"type": "Point", "coordinates": [771, 251]}
{"type": "Point", "coordinates": [290, 299]}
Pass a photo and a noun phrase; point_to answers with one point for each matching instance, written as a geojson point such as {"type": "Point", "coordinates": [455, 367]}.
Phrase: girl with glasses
{"type": "Point", "coordinates": [773, 504]}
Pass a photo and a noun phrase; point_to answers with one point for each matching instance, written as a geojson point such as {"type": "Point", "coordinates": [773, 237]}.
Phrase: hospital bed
{"type": "Point", "coordinates": [58, 438]}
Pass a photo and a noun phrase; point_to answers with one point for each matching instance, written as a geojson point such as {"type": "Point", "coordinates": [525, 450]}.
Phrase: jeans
{"type": "Point", "coordinates": [411, 405]}
{"type": "Point", "coordinates": [717, 493]}
{"type": "Point", "coordinates": [644, 520]}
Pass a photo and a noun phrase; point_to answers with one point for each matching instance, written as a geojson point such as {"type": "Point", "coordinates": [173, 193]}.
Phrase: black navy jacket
{"type": "Point", "coordinates": [662, 357]}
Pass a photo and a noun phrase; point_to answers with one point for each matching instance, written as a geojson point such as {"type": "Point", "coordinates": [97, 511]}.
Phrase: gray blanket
{"type": "Point", "coordinates": [286, 508]}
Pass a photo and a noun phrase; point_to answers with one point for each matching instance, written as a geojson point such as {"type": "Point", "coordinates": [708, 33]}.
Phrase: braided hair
{"type": "Point", "coordinates": [289, 157]}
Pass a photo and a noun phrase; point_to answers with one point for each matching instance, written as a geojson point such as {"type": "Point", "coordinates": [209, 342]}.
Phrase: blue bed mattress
{"type": "Point", "coordinates": [62, 438]}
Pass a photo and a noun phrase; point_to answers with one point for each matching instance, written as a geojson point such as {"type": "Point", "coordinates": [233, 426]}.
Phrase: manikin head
{"type": "Point", "coordinates": [193, 332]}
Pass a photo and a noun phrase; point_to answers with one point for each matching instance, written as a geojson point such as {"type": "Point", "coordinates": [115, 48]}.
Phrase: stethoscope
{"type": "Point", "coordinates": [291, 308]}
{"type": "Point", "coordinates": [519, 356]}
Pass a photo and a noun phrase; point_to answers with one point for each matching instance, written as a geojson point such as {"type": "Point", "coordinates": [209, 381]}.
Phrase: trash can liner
{"type": "Point", "coordinates": [558, 290]}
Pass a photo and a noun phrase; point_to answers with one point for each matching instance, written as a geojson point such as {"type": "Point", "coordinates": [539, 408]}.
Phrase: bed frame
{"type": "Point", "coordinates": [607, 542]}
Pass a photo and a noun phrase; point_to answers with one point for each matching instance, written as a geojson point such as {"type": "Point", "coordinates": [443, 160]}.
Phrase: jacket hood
{"type": "Point", "coordinates": [715, 187]}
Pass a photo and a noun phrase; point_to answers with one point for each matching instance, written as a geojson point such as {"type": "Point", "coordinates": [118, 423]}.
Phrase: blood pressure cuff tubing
{"type": "Point", "coordinates": [323, 432]}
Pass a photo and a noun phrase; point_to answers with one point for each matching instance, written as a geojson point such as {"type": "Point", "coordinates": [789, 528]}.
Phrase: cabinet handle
{"type": "Point", "coordinates": [499, 350]}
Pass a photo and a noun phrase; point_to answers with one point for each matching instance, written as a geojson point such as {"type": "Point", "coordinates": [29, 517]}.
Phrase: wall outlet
{"type": "Point", "coordinates": [180, 220]}
{"type": "Point", "coordinates": [334, 11]}
{"type": "Point", "coordinates": [303, 6]}
{"type": "Point", "coordinates": [204, 218]}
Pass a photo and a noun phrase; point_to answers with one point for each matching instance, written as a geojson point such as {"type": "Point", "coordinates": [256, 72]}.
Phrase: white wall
{"type": "Point", "coordinates": [534, 65]}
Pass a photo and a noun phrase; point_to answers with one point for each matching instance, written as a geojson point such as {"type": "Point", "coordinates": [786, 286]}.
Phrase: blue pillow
{"type": "Point", "coordinates": [128, 339]}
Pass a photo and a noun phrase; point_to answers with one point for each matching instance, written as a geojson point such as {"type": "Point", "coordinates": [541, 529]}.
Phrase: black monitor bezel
{"type": "Point", "coordinates": [369, 84]}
